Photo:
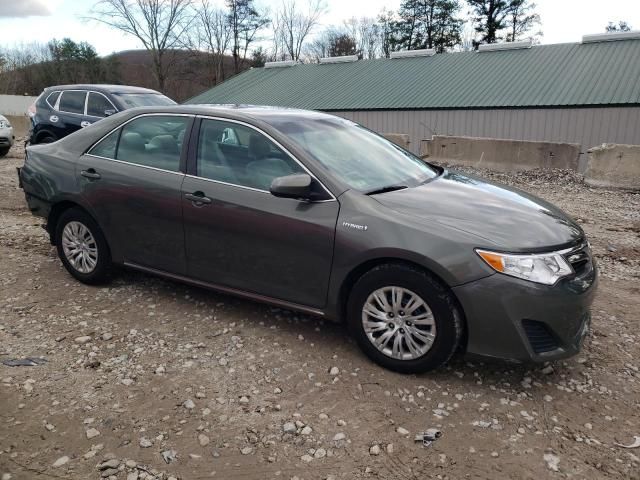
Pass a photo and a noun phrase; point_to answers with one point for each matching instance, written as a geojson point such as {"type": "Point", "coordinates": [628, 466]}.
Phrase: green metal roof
{"type": "Point", "coordinates": [561, 75]}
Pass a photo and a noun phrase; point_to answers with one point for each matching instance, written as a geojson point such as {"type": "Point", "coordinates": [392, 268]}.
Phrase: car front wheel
{"type": "Point", "coordinates": [82, 247]}
{"type": "Point", "coordinates": [404, 319]}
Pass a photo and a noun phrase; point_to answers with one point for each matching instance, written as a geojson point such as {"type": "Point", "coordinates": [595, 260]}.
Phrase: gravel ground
{"type": "Point", "coordinates": [146, 378]}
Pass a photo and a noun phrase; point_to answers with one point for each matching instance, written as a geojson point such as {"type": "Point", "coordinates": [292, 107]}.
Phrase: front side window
{"type": "Point", "coordinates": [363, 160]}
{"type": "Point", "coordinates": [234, 153]}
{"type": "Point", "coordinates": [72, 101]}
{"type": "Point", "coordinates": [98, 104]}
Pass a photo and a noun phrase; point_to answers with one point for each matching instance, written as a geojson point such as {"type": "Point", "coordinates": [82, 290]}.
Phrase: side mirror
{"type": "Point", "coordinates": [109, 112]}
{"type": "Point", "coordinates": [292, 186]}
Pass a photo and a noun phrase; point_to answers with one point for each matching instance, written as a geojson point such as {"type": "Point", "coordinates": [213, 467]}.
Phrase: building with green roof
{"type": "Point", "coordinates": [586, 93]}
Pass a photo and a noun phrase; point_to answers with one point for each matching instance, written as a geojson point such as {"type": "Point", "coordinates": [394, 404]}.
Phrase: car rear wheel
{"type": "Point", "coordinates": [47, 139]}
{"type": "Point", "coordinates": [82, 247]}
{"type": "Point", "coordinates": [404, 319]}
{"type": "Point", "coordinates": [4, 151]}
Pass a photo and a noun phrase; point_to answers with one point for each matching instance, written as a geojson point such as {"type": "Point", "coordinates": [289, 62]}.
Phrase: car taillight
{"type": "Point", "coordinates": [31, 111]}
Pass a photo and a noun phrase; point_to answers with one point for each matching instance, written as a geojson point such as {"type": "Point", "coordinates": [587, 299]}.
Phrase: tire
{"type": "Point", "coordinates": [47, 139]}
{"type": "Point", "coordinates": [409, 281]}
{"type": "Point", "coordinates": [4, 151]}
{"type": "Point", "coordinates": [93, 270]}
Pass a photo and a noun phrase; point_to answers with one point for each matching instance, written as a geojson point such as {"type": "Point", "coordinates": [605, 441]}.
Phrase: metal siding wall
{"type": "Point", "coordinates": [586, 126]}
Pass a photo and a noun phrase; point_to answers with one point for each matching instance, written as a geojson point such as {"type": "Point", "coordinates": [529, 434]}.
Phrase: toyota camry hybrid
{"type": "Point", "coordinates": [315, 213]}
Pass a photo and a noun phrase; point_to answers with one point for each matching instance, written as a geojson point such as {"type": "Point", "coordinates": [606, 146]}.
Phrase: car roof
{"type": "Point", "coordinates": [104, 88]}
{"type": "Point", "coordinates": [239, 111]}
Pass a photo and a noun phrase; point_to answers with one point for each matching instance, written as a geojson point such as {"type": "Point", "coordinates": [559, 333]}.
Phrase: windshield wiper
{"type": "Point", "coordinates": [388, 188]}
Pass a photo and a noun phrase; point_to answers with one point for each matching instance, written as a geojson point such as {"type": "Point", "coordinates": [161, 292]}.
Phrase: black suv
{"type": "Point", "coordinates": [63, 109]}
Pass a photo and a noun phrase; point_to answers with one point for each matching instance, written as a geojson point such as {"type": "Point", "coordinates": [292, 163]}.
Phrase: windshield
{"type": "Point", "coordinates": [131, 100]}
{"type": "Point", "coordinates": [362, 159]}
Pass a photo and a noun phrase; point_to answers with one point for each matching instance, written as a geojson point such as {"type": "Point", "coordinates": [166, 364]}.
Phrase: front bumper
{"type": "Point", "coordinates": [513, 319]}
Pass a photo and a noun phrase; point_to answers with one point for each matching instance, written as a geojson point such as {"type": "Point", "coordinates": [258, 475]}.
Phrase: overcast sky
{"type": "Point", "coordinates": [24, 21]}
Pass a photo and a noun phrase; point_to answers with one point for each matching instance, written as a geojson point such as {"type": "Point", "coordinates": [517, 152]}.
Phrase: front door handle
{"type": "Point", "coordinates": [198, 198]}
{"type": "Point", "coordinates": [91, 174]}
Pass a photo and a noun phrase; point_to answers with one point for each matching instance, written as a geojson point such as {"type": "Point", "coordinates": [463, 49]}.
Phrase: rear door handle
{"type": "Point", "coordinates": [91, 174]}
{"type": "Point", "coordinates": [198, 198]}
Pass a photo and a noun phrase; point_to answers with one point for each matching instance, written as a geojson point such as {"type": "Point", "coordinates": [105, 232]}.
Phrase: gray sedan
{"type": "Point", "coordinates": [315, 213]}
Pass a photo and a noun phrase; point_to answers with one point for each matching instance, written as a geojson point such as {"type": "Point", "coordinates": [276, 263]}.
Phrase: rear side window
{"type": "Point", "coordinates": [72, 101]}
{"type": "Point", "coordinates": [98, 104]}
{"type": "Point", "coordinates": [107, 146]}
{"type": "Point", "coordinates": [52, 99]}
{"type": "Point", "coordinates": [153, 141]}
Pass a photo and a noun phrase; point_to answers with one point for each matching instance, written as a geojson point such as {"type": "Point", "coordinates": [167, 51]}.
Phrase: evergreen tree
{"type": "Point", "coordinates": [426, 24]}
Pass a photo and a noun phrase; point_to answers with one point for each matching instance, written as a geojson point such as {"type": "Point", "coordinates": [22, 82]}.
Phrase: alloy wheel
{"type": "Point", "coordinates": [80, 247]}
{"type": "Point", "coordinates": [399, 323]}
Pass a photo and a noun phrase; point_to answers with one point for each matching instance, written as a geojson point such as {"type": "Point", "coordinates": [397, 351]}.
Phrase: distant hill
{"type": "Point", "coordinates": [191, 72]}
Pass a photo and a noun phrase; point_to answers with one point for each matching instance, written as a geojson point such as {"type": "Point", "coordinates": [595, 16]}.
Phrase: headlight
{"type": "Point", "coordinates": [4, 124]}
{"type": "Point", "coordinates": [546, 268]}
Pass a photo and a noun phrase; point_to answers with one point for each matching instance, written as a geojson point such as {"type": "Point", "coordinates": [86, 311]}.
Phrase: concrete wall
{"type": "Point", "coordinates": [15, 104]}
{"type": "Point", "coordinates": [400, 139]}
{"type": "Point", "coordinates": [616, 166]}
{"type": "Point", "coordinates": [501, 155]}
{"type": "Point", "coordinates": [584, 126]}
{"type": "Point", "coordinates": [20, 125]}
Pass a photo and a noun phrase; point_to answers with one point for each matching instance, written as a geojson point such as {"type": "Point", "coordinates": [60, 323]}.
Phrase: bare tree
{"type": "Point", "coordinates": [367, 34]}
{"type": "Point", "coordinates": [293, 24]}
{"type": "Point", "coordinates": [211, 32]}
{"type": "Point", "coordinates": [158, 24]}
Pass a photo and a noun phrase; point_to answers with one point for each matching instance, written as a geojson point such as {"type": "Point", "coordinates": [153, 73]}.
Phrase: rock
{"type": "Point", "coordinates": [169, 456]}
{"type": "Point", "coordinates": [320, 453]}
{"type": "Point", "coordinates": [145, 443]}
{"type": "Point", "coordinates": [552, 461]}
{"type": "Point", "coordinates": [339, 436]}
{"type": "Point", "coordinates": [495, 454]}
{"type": "Point", "coordinates": [92, 433]}
{"type": "Point", "coordinates": [106, 336]}
{"type": "Point", "coordinates": [113, 463]}
{"type": "Point", "coordinates": [306, 458]}
{"type": "Point", "coordinates": [132, 475]}
{"type": "Point", "coordinates": [131, 464]}
{"type": "Point", "coordinates": [246, 450]}
{"type": "Point", "coordinates": [160, 370]}
{"type": "Point", "coordinates": [83, 339]}
{"type": "Point", "coordinates": [390, 448]}
{"type": "Point", "coordinates": [109, 472]}
{"type": "Point", "coordinates": [188, 404]}
{"type": "Point", "coordinates": [60, 462]}
{"type": "Point", "coordinates": [548, 370]}
{"type": "Point", "coordinates": [127, 381]}
{"type": "Point", "coordinates": [341, 423]}
{"type": "Point", "coordinates": [334, 371]}
{"type": "Point", "coordinates": [306, 430]}
{"type": "Point", "coordinates": [289, 427]}
{"type": "Point", "coordinates": [277, 390]}
{"type": "Point", "coordinates": [375, 450]}
{"type": "Point", "coordinates": [243, 400]}
{"type": "Point", "coordinates": [203, 440]}
{"type": "Point", "coordinates": [402, 431]}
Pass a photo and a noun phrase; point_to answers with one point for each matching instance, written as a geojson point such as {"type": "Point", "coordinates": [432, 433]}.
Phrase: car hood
{"type": "Point", "coordinates": [503, 218]}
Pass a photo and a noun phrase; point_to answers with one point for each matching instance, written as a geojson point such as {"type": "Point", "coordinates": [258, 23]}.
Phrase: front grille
{"type": "Point", "coordinates": [540, 337]}
{"type": "Point", "coordinates": [579, 259]}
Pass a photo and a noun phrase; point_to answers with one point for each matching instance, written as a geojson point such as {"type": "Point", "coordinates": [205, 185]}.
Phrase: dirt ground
{"type": "Point", "coordinates": [145, 378]}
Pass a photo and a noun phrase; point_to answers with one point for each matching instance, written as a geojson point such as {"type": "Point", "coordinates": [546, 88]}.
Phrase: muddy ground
{"type": "Point", "coordinates": [146, 378]}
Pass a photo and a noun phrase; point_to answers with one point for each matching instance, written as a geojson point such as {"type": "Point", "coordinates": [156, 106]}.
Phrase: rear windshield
{"type": "Point", "coordinates": [131, 100]}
